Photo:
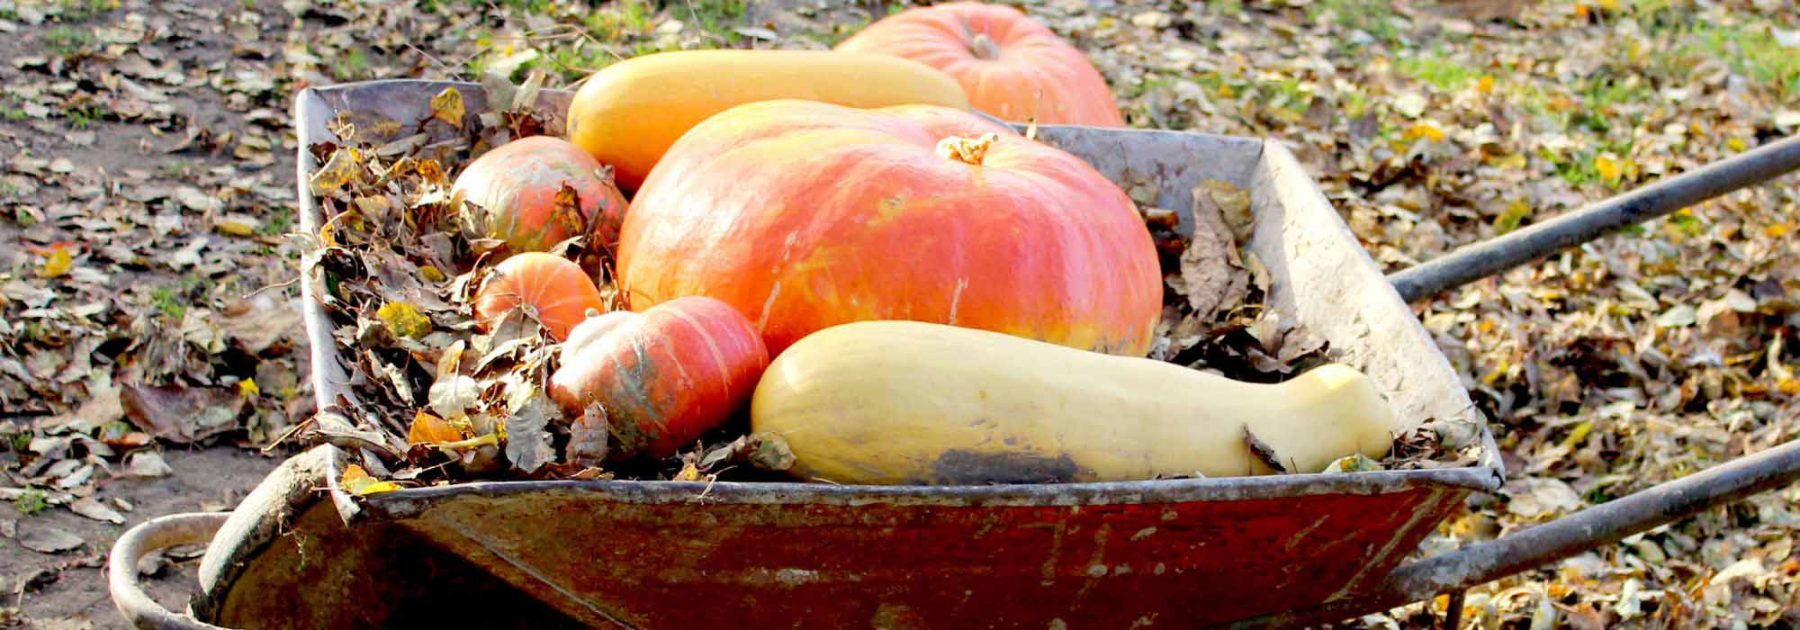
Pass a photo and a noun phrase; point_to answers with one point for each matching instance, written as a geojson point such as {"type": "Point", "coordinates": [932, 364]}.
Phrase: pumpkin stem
{"type": "Point", "coordinates": [985, 49]}
{"type": "Point", "coordinates": [969, 151]}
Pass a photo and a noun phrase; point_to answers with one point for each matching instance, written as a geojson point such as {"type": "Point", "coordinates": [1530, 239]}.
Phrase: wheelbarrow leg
{"type": "Point", "coordinates": [1453, 612]}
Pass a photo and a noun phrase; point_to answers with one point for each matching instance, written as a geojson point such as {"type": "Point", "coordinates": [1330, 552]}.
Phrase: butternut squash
{"type": "Point", "coordinates": [900, 402]}
{"type": "Point", "coordinates": [628, 114]}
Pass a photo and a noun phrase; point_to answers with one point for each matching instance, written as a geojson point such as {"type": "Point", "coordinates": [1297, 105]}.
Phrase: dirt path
{"type": "Point", "coordinates": [68, 590]}
{"type": "Point", "coordinates": [132, 129]}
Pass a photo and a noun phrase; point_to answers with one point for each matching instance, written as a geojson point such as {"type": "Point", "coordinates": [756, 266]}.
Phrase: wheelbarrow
{"type": "Point", "coordinates": [1281, 550]}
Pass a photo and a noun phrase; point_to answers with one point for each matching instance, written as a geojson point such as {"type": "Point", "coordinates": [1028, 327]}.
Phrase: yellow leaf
{"type": "Point", "coordinates": [1485, 85]}
{"type": "Point", "coordinates": [404, 319]}
{"type": "Point", "coordinates": [1789, 386]}
{"type": "Point", "coordinates": [233, 227]}
{"type": "Point", "coordinates": [1610, 167]}
{"type": "Point", "coordinates": [1610, 5]}
{"type": "Point", "coordinates": [432, 273]}
{"type": "Point", "coordinates": [1424, 130]}
{"type": "Point", "coordinates": [432, 171]}
{"type": "Point", "coordinates": [1516, 213]}
{"type": "Point", "coordinates": [1779, 230]}
{"type": "Point", "coordinates": [1513, 161]}
{"type": "Point", "coordinates": [358, 482]}
{"type": "Point", "coordinates": [1737, 144]}
{"type": "Point", "coordinates": [57, 264]}
{"type": "Point", "coordinates": [448, 107]}
{"type": "Point", "coordinates": [1579, 434]}
{"type": "Point", "coordinates": [429, 429]}
{"type": "Point", "coordinates": [248, 388]}
{"type": "Point", "coordinates": [343, 167]}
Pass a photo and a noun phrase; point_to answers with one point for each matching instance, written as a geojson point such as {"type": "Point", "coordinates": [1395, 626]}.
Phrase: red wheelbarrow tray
{"type": "Point", "coordinates": [1181, 552]}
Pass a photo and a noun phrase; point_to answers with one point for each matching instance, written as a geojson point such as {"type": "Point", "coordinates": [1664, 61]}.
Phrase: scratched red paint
{"type": "Point", "coordinates": [1169, 565]}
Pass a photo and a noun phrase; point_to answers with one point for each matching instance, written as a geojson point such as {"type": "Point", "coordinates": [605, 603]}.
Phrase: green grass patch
{"type": "Point", "coordinates": [280, 224]}
{"type": "Point", "coordinates": [1375, 17]}
{"type": "Point", "coordinates": [1599, 94]}
{"type": "Point", "coordinates": [1356, 104]}
{"type": "Point", "coordinates": [573, 62]}
{"type": "Point", "coordinates": [352, 64]}
{"type": "Point", "coordinates": [82, 117]}
{"type": "Point", "coordinates": [168, 302]}
{"type": "Point", "coordinates": [66, 40]}
{"type": "Point", "coordinates": [1750, 51]}
{"type": "Point", "coordinates": [1145, 85]}
{"type": "Point", "coordinates": [75, 10]}
{"type": "Point", "coordinates": [32, 502]}
{"type": "Point", "coordinates": [719, 17]}
{"type": "Point", "coordinates": [620, 20]}
{"type": "Point", "coordinates": [1441, 72]}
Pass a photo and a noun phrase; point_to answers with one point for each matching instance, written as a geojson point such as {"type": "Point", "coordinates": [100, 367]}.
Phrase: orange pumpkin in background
{"type": "Point", "coordinates": [664, 377]}
{"type": "Point", "coordinates": [1011, 66]}
{"type": "Point", "coordinates": [518, 184]}
{"type": "Point", "coordinates": [804, 215]}
{"type": "Point", "coordinates": [550, 288]}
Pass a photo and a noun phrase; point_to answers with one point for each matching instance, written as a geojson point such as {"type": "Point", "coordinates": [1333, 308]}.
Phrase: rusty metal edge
{"type": "Point", "coordinates": [412, 502]}
{"type": "Point", "coordinates": [315, 105]}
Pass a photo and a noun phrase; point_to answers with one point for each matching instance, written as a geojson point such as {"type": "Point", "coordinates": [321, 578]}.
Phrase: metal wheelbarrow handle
{"type": "Point", "coordinates": [1480, 260]}
{"type": "Point", "coordinates": [148, 537]}
{"type": "Point", "coordinates": [1614, 520]}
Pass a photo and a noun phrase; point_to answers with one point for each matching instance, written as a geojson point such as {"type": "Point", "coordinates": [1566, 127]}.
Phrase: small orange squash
{"type": "Point", "coordinates": [550, 288]}
{"type": "Point", "coordinates": [521, 186]}
{"type": "Point", "coordinates": [664, 377]}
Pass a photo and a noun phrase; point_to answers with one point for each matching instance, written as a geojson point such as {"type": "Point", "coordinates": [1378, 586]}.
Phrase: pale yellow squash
{"type": "Point", "coordinates": [629, 113]}
{"type": "Point", "coordinates": [889, 402]}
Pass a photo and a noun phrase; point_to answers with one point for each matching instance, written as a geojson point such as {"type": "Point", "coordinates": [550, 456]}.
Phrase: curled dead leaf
{"type": "Point", "coordinates": [447, 106]}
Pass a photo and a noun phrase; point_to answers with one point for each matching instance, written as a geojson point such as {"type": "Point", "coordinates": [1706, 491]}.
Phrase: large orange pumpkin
{"type": "Point", "coordinates": [520, 185]}
{"type": "Point", "coordinates": [550, 288]}
{"type": "Point", "coordinates": [1010, 65]}
{"type": "Point", "coordinates": [804, 215]}
{"type": "Point", "coordinates": [664, 377]}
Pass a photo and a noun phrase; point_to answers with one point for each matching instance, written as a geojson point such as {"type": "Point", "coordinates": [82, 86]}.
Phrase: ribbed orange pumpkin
{"type": "Point", "coordinates": [518, 183]}
{"type": "Point", "coordinates": [804, 215]}
{"type": "Point", "coordinates": [665, 377]}
{"type": "Point", "coordinates": [551, 288]}
{"type": "Point", "coordinates": [1011, 66]}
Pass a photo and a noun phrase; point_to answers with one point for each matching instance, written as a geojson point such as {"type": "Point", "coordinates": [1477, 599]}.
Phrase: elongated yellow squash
{"type": "Point", "coordinates": [628, 114]}
{"type": "Point", "coordinates": [892, 402]}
